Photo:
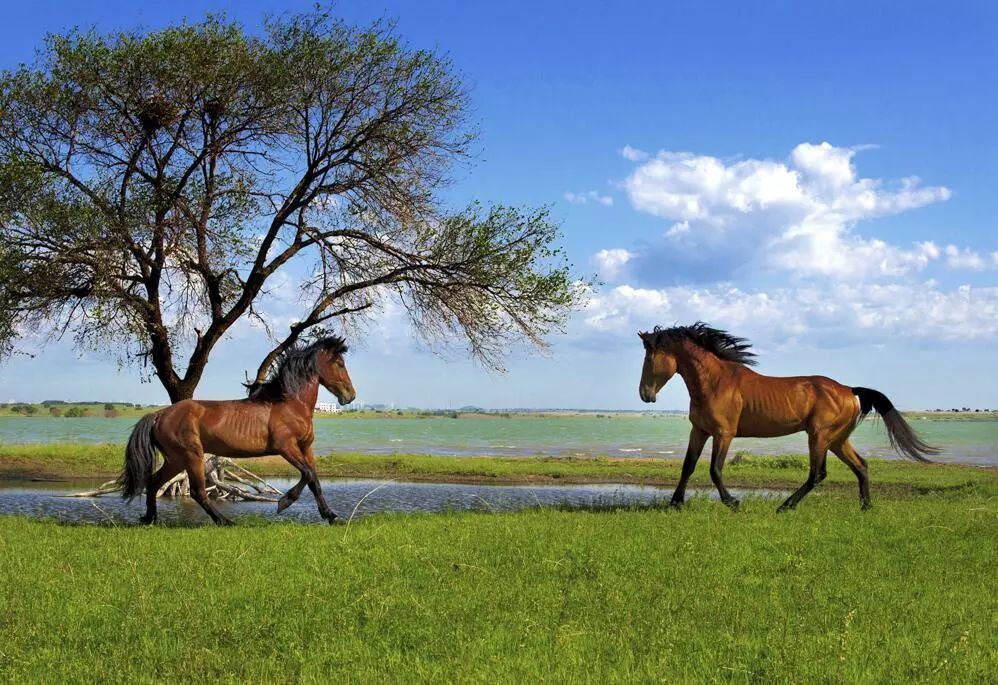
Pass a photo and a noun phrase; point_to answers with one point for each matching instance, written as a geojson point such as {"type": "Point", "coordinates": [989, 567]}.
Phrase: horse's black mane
{"type": "Point", "coordinates": [293, 369]}
{"type": "Point", "coordinates": [721, 343]}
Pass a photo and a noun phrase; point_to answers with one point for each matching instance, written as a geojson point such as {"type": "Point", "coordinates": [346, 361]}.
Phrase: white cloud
{"type": "Point", "coordinates": [835, 316]}
{"type": "Point", "coordinates": [589, 196]}
{"type": "Point", "coordinates": [633, 154]}
{"type": "Point", "coordinates": [796, 216]}
{"type": "Point", "coordinates": [968, 259]}
{"type": "Point", "coordinates": [611, 263]}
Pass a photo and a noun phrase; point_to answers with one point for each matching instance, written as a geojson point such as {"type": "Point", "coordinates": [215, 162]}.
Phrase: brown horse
{"type": "Point", "coordinates": [728, 400]}
{"type": "Point", "coordinates": [276, 418]}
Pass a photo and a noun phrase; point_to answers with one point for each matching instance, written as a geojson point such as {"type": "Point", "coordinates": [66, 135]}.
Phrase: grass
{"type": "Point", "coordinates": [905, 592]}
{"type": "Point", "coordinates": [54, 460]}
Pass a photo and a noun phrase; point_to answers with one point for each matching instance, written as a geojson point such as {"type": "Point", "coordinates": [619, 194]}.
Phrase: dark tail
{"type": "Point", "coordinates": [140, 457]}
{"type": "Point", "coordinates": [903, 438]}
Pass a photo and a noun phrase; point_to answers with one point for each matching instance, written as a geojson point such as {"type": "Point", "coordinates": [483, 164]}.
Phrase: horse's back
{"type": "Point", "coordinates": [232, 428]}
{"type": "Point", "coordinates": [781, 405]}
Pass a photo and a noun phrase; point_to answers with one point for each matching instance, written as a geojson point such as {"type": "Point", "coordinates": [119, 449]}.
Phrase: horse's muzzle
{"type": "Point", "coordinates": [646, 394]}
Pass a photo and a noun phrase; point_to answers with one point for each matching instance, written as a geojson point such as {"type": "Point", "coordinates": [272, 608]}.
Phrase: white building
{"type": "Point", "coordinates": [327, 407]}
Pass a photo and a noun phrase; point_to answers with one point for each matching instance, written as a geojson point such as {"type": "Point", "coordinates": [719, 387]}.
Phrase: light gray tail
{"type": "Point", "coordinates": [903, 438]}
{"type": "Point", "coordinates": [140, 458]}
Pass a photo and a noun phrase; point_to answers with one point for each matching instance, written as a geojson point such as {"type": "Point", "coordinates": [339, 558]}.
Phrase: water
{"type": "Point", "coordinates": [347, 497]}
{"type": "Point", "coordinates": [662, 436]}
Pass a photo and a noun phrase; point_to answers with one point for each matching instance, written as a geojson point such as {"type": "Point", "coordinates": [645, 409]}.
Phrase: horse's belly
{"type": "Point", "coordinates": [235, 447]}
{"type": "Point", "coordinates": [750, 427]}
{"type": "Point", "coordinates": [238, 435]}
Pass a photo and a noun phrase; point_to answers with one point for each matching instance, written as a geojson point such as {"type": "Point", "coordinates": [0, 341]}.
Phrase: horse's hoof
{"type": "Point", "coordinates": [225, 522]}
{"type": "Point", "coordinates": [283, 504]}
{"type": "Point", "coordinates": [147, 520]}
{"type": "Point", "coordinates": [733, 504]}
{"type": "Point", "coordinates": [676, 504]}
{"type": "Point", "coordinates": [784, 508]}
{"type": "Point", "coordinates": [865, 506]}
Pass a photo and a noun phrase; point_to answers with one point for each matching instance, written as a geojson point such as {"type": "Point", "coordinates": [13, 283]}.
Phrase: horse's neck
{"type": "Point", "coordinates": [700, 371]}
{"type": "Point", "coordinates": [309, 394]}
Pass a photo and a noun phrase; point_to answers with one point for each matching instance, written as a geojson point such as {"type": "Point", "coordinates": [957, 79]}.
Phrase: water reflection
{"type": "Point", "coordinates": [355, 498]}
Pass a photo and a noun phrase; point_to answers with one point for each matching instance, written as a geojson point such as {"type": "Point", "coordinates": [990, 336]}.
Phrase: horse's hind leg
{"type": "Point", "coordinates": [847, 453]}
{"type": "Point", "coordinates": [818, 450]}
{"type": "Point", "coordinates": [169, 469]}
{"type": "Point", "coordinates": [194, 462]}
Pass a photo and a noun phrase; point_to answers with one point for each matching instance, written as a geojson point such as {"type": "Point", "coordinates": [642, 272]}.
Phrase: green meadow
{"type": "Point", "coordinates": [828, 593]}
{"type": "Point", "coordinates": [904, 592]}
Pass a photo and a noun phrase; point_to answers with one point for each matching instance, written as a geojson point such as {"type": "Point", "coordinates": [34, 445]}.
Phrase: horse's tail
{"type": "Point", "coordinates": [140, 457]}
{"type": "Point", "coordinates": [903, 438]}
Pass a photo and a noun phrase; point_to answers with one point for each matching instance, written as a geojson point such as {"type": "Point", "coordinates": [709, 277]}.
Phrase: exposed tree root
{"type": "Point", "coordinates": [224, 479]}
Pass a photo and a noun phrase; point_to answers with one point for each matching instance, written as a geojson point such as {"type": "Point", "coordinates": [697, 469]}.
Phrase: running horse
{"type": "Point", "coordinates": [728, 400]}
{"type": "Point", "coordinates": [276, 418]}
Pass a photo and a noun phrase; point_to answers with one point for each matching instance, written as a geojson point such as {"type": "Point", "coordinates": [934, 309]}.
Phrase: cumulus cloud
{"type": "Point", "coordinates": [844, 314]}
{"type": "Point", "coordinates": [587, 197]}
{"type": "Point", "coordinates": [796, 216]}
{"type": "Point", "coordinates": [611, 263]}
{"type": "Point", "coordinates": [966, 258]}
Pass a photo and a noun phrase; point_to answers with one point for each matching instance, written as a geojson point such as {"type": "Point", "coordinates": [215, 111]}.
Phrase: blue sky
{"type": "Point", "coordinates": [750, 164]}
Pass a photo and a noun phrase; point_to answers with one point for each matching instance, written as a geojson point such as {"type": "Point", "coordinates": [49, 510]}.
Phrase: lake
{"type": "Point", "coordinates": [348, 498]}
{"type": "Point", "coordinates": [616, 435]}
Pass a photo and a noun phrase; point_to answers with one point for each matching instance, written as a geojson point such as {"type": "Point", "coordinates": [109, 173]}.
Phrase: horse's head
{"type": "Point", "coordinates": [333, 372]}
{"type": "Point", "coordinates": [659, 367]}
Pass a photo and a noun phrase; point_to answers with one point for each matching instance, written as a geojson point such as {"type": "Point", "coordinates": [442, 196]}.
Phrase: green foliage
{"type": "Point", "coordinates": [55, 411]}
{"type": "Point", "coordinates": [77, 412]}
{"type": "Point", "coordinates": [152, 182]}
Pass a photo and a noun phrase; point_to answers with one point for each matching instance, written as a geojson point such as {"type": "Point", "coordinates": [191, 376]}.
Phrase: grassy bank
{"type": "Point", "coordinates": [104, 462]}
{"type": "Point", "coordinates": [905, 592]}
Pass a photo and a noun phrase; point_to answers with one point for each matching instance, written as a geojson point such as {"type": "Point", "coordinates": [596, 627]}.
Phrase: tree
{"type": "Point", "coordinates": [153, 185]}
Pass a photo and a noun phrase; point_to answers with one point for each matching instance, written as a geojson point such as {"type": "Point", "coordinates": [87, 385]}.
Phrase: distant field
{"type": "Point", "coordinates": [104, 461]}
{"type": "Point", "coordinates": [75, 410]}
{"type": "Point", "coordinates": [905, 592]}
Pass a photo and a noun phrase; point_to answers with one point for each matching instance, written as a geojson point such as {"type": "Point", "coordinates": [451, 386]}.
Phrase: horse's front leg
{"type": "Point", "coordinates": [698, 438]}
{"type": "Point", "coordinates": [313, 485]}
{"type": "Point", "coordinates": [292, 495]}
{"type": "Point", "coordinates": [293, 455]}
{"type": "Point", "coordinates": [304, 461]}
{"type": "Point", "coordinates": [718, 453]}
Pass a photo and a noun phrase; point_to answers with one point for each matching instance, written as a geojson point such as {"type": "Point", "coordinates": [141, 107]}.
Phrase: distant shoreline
{"type": "Point", "coordinates": [122, 410]}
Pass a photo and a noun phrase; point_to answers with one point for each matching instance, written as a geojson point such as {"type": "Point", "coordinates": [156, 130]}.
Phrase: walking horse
{"type": "Point", "coordinates": [728, 400]}
{"type": "Point", "coordinates": [276, 418]}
